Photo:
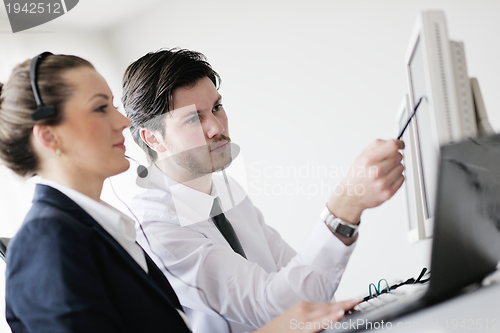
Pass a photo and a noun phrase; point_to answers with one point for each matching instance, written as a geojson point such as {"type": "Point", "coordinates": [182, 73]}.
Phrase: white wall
{"type": "Point", "coordinates": [309, 84]}
{"type": "Point", "coordinates": [306, 85]}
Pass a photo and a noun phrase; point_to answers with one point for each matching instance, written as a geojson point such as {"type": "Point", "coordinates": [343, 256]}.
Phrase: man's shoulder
{"type": "Point", "coordinates": [152, 195]}
{"type": "Point", "coordinates": [153, 205]}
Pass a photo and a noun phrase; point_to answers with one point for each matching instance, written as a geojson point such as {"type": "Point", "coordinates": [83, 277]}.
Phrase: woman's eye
{"type": "Point", "coordinates": [102, 108]}
{"type": "Point", "coordinates": [192, 120]}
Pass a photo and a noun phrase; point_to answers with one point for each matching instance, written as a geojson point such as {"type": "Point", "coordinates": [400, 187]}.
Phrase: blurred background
{"type": "Point", "coordinates": [306, 85]}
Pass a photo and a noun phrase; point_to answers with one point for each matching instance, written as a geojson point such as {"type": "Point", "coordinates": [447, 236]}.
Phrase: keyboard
{"type": "Point", "coordinates": [401, 292]}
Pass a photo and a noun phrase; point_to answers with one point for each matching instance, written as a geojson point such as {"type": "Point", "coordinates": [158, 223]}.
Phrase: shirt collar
{"type": "Point", "coordinates": [191, 206]}
{"type": "Point", "coordinates": [189, 203]}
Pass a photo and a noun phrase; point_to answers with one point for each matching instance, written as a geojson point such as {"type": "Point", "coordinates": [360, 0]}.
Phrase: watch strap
{"type": "Point", "coordinates": [337, 225]}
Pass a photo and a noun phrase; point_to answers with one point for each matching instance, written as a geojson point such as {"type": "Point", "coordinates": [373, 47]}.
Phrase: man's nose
{"type": "Point", "coordinates": [213, 126]}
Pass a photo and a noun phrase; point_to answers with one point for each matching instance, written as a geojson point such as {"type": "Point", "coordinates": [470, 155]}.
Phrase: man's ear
{"type": "Point", "coordinates": [152, 139]}
{"type": "Point", "coordinates": [46, 137]}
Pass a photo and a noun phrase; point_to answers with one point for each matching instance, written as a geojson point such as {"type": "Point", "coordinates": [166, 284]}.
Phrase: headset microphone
{"type": "Point", "coordinates": [142, 171]}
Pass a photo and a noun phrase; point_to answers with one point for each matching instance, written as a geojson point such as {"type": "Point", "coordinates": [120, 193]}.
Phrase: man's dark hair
{"type": "Point", "coordinates": [149, 84]}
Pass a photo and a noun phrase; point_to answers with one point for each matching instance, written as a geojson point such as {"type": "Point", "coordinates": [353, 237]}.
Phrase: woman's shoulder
{"type": "Point", "coordinates": [43, 215]}
{"type": "Point", "coordinates": [48, 227]}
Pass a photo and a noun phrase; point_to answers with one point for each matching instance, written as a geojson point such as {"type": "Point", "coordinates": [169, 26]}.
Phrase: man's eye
{"type": "Point", "coordinates": [217, 107]}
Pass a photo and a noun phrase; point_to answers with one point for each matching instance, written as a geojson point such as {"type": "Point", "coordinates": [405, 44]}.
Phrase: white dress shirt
{"type": "Point", "coordinates": [191, 251]}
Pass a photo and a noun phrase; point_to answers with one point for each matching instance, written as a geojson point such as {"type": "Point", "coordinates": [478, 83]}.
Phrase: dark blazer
{"type": "Point", "coordinates": [65, 273]}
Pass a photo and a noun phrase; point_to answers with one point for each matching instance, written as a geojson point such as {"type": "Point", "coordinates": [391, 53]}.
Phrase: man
{"type": "Point", "coordinates": [210, 240]}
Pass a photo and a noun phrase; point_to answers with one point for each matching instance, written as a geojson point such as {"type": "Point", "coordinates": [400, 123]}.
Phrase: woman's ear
{"type": "Point", "coordinates": [44, 135]}
{"type": "Point", "coordinates": [152, 139]}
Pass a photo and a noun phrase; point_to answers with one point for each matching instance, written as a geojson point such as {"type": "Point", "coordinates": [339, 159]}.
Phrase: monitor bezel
{"type": "Point", "coordinates": [409, 161]}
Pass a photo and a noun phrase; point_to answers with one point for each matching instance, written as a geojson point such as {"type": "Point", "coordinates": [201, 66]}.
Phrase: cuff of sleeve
{"type": "Point", "coordinates": [324, 252]}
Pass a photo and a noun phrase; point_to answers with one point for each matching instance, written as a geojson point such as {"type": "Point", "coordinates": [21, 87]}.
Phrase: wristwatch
{"type": "Point", "coordinates": [337, 226]}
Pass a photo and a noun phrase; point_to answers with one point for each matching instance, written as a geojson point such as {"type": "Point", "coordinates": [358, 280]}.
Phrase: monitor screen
{"type": "Point", "coordinates": [427, 147]}
{"type": "Point", "coordinates": [409, 172]}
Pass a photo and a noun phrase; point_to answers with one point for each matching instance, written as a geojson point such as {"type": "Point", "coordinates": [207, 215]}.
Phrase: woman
{"type": "Point", "coordinates": [74, 265]}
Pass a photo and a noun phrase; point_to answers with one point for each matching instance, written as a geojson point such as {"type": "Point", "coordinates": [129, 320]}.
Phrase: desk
{"type": "Point", "coordinates": [477, 311]}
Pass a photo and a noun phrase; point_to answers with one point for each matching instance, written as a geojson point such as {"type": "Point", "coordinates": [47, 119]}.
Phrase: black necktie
{"type": "Point", "coordinates": [226, 229]}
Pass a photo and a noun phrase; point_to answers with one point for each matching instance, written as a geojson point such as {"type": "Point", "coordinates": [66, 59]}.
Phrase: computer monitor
{"type": "Point", "coordinates": [411, 185]}
{"type": "Point", "coordinates": [437, 74]}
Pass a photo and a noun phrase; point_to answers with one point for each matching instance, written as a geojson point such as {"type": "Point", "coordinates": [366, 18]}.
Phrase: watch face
{"type": "Point", "coordinates": [344, 230]}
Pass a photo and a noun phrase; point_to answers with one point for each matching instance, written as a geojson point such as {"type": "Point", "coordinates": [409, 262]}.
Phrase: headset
{"type": "Point", "coordinates": [42, 111]}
